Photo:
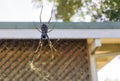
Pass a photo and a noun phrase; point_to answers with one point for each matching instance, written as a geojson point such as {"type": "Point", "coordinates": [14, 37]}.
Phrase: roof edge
{"type": "Point", "coordinates": [61, 25]}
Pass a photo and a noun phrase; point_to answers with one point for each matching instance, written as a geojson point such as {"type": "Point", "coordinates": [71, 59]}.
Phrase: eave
{"type": "Point", "coordinates": [62, 30]}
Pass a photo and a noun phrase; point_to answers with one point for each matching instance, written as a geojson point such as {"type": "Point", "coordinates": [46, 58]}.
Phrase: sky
{"type": "Point", "coordinates": [24, 10]}
{"type": "Point", "coordinates": [111, 70]}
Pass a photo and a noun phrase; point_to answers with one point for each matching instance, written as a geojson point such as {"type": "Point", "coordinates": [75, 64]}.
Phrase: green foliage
{"type": "Point", "coordinates": [111, 8]}
{"type": "Point", "coordinates": [102, 10]}
{"type": "Point", "coordinates": [67, 8]}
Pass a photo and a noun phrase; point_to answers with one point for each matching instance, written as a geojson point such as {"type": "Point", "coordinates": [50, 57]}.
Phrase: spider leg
{"type": "Point", "coordinates": [39, 46]}
{"type": "Point", "coordinates": [36, 27]}
{"type": "Point", "coordinates": [41, 14]}
{"type": "Point", "coordinates": [36, 51]}
{"type": "Point", "coordinates": [52, 28]}
{"type": "Point", "coordinates": [51, 46]}
{"type": "Point", "coordinates": [51, 15]}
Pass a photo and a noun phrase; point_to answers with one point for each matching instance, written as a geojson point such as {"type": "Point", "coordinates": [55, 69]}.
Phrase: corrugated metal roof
{"type": "Point", "coordinates": [62, 25]}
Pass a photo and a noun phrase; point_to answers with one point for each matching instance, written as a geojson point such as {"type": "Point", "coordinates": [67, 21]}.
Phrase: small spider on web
{"type": "Point", "coordinates": [43, 29]}
{"type": "Point", "coordinates": [45, 52]}
{"type": "Point", "coordinates": [38, 66]}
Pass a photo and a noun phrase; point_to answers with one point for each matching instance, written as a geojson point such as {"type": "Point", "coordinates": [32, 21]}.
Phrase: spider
{"type": "Point", "coordinates": [44, 30]}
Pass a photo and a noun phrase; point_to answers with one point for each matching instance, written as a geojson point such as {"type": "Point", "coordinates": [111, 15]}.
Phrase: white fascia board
{"type": "Point", "coordinates": [60, 33]}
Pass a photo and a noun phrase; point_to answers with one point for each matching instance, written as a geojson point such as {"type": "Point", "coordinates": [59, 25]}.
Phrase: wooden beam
{"type": "Point", "coordinates": [93, 67]}
{"type": "Point", "coordinates": [93, 47]}
{"type": "Point", "coordinates": [110, 48]}
{"type": "Point", "coordinates": [102, 61]}
{"type": "Point", "coordinates": [107, 54]}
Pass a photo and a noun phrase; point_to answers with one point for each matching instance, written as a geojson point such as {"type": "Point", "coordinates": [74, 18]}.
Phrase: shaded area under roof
{"type": "Point", "coordinates": [61, 25]}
